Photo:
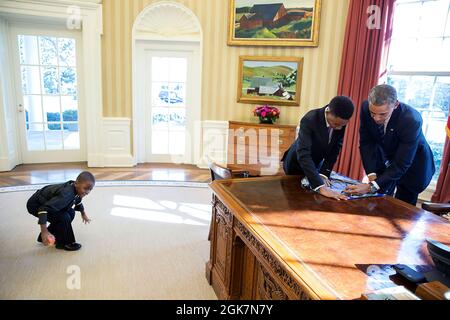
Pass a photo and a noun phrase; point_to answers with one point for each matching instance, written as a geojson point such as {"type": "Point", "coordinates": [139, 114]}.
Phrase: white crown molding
{"type": "Point", "coordinates": [57, 3]}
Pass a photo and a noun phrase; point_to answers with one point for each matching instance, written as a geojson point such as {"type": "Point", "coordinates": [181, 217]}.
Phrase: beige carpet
{"type": "Point", "coordinates": [143, 243]}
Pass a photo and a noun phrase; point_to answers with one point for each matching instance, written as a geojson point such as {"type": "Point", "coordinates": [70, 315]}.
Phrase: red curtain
{"type": "Point", "coordinates": [442, 193]}
{"type": "Point", "coordinates": [363, 63]}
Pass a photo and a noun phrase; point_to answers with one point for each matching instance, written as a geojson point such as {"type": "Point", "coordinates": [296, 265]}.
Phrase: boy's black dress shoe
{"type": "Point", "coordinates": [69, 247]}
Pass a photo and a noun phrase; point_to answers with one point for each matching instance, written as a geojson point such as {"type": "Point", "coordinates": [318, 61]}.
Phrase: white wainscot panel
{"type": "Point", "coordinates": [117, 142]}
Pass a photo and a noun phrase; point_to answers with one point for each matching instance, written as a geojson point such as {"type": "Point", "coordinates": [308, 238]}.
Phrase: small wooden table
{"type": "Point", "coordinates": [273, 240]}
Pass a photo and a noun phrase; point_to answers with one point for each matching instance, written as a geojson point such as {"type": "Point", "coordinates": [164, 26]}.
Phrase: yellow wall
{"type": "Point", "coordinates": [220, 62]}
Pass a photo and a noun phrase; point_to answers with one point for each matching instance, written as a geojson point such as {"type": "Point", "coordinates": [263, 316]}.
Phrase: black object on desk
{"type": "Point", "coordinates": [440, 254]}
{"type": "Point", "coordinates": [409, 273]}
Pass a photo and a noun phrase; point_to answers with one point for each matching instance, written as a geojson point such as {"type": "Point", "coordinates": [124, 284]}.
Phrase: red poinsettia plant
{"type": "Point", "coordinates": [266, 113]}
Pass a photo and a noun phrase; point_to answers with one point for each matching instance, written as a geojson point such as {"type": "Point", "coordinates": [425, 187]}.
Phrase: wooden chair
{"type": "Point", "coordinates": [221, 173]}
{"type": "Point", "coordinates": [441, 209]}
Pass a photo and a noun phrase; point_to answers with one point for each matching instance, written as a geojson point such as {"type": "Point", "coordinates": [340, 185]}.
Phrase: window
{"type": "Point", "coordinates": [419, 65]}
{"type": "Point", "coordinates": [169, 76]}
{"type": "Point", "coordinates": [49, 87]}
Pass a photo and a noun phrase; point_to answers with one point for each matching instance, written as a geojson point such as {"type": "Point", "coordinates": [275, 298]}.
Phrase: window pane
{"type": "Point", "coordinates": [438, 153]}
{"type": "Point", "coordinates": [71, 136]}
{"type": "Point", "coordinates": [30, 80]}
{"type": "Point", "coordinates": [160, 119]}
{"type": "Point", "coordinates": [160, 69]}
{"type": "Point", "coordinates": [69, 108]}
{"type": "Point", "coordinates": [434, 129]}
{"type": "Point", "coordinates": [48, 48]}
{"type": "Point", "coordinates": [406, 20]}
{"type": "Point", "coordinates": [434, 14]}
{"type": "Point", "coordinates": [177, 94]}
{"type": "Point", "coordinates": [177, 119]}
{"type": "Point", "coordinates": [447, 29]}
{"type": "Point", "coordinates": [52, 109]}
{"type": "Point", "coordinates": [444, 55]}
{"type": "Point", "coordinates": [442, 96]}
{"type": "Point", "coordinates": [177, 142]}
{"type": "Point", "coordinates": [178, 70]}
{"type": "Point", "coordinates": [160, 94]}
{"type": "Point", "coordinates": [53, 126]}
{"type": "Point", "coordinates": [53, 137]}
{"type": "Point", "coordinates": [67, 52]}
{"type": "Point", "coordinates": [68, 81]}
{"type": "Point", "coordinates": [428, 52]}
{"type": "Point", "coordinates": [33, 110]}
{"type": "Point", "coordinates": [160, 142]}
{"type": "Point", "coordinates": [50, 80]}
{"type": "Point", "coordinates": [28, 50]}
{"type": "Point", "coordinates": [35, 137]}
{"type": "Point", "coordinates": [415, 91]}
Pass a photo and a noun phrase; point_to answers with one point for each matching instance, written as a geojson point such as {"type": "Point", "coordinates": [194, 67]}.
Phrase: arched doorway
{"type": "Point", "coordinates": [167, 55]}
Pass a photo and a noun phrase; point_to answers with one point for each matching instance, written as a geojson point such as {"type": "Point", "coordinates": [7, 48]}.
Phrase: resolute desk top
{"type": "Point", "coordinates": [336, 249]}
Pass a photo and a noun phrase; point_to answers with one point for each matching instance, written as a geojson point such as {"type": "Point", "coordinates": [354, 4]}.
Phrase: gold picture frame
{"type": "Point", "coordinates": [270, 80]}
{"type": "Point", "coordinates": [288, 23]}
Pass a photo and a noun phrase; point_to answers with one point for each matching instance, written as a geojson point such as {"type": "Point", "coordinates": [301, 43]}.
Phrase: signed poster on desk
{"type": "Point", "coordinates": [339, 183]}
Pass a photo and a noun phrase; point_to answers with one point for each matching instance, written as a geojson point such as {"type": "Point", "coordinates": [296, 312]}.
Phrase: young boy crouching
{"type": "Point", "coordinates": [57, 204]}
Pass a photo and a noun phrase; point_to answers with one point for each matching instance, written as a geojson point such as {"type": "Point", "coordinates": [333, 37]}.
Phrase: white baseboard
{"type": "Point", "coordinates": [7, 164]}
{"type": "Point", "coordinates": [95, 160]}
{"type": "Point", "coordinates": [123, 161]}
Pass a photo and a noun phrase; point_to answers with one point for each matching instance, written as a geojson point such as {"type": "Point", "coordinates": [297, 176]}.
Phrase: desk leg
{"type": "Point", "coordinates": [218, 269]}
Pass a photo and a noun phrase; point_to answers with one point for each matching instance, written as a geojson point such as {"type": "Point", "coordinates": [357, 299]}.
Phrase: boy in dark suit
{"type": "Point", "coordinates": [319, 142]}
{"type": "Point", "coordinates": [394, 151]}
{"type": "Point", "coordinates": [57, 204]}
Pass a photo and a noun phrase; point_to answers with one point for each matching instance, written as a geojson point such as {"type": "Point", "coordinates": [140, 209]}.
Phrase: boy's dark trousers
{"type": "Point", "coordinates": [60, 223]}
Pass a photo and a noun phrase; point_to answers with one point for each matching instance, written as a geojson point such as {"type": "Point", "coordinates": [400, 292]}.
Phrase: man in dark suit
{"type": "Point", "coordinates": [319, 142]}
{"type": "Point", "coordinates": [394, 151]}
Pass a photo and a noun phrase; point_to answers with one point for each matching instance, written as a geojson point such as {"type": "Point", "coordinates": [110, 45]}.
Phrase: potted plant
{"type": "Point", "coordinates": [267, 114]}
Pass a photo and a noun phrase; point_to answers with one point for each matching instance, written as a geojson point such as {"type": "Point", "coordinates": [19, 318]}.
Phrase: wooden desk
{"type": "Point", "coordinates": [273, 240]}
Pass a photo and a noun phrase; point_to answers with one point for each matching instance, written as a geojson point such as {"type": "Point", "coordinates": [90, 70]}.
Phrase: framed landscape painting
{"type": "Point", "coordinates": [274, 23]}
{"type": "Point", "coordinates": [270, 80]}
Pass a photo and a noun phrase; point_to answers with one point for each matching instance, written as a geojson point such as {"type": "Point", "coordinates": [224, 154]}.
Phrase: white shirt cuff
{"type": "Point", "coordinates": [318, 188]}
{"type": "Point", "coordinates": [376, 185]}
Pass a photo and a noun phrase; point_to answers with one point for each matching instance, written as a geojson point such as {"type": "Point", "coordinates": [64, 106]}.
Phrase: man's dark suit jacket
{"type": "Point", "coordinates": [404, 149]}
{"type": "Point", "coordinates": [311, 153]}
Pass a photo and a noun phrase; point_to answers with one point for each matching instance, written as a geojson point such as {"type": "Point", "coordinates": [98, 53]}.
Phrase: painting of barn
{"type": "Point", "coordinates": [274, 21]}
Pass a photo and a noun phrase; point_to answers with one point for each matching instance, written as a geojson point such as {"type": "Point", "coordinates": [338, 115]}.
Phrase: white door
{"type": "Point", "coordinates": [170, 81]}
{"type": "Point", "coordinates": [49, 103]}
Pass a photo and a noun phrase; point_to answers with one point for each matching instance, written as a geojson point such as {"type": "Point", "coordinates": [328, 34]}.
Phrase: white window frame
{"type": "Point", "coordinates": [91, 29]}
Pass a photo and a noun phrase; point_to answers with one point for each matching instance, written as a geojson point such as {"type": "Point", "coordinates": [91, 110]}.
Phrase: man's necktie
{"type": "Point", "coordinates": [381, 131]}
